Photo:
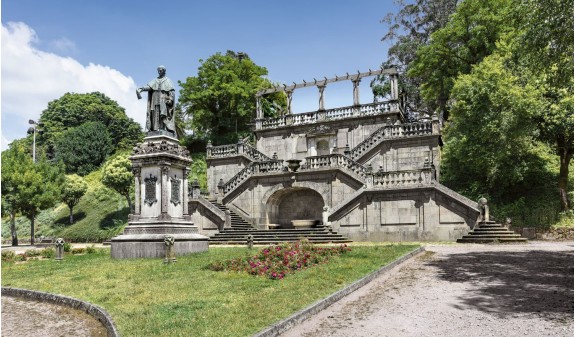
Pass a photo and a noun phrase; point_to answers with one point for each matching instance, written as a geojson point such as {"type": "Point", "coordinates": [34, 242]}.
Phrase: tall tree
{"type": "Point", "coordinates": [72, 110]}
{"type": "Point", "coordinates": [30, 187]}
{"type": "Point", "coordinates": [117, 175]}
{"type": "Point", "coordinates": [84, 148]}
{"type": "Point", "coordinates": [74, 188]}
{"type": "Point", "coordinates": [14, 161]}
{"type": "Point", "coordinates": [469, 36]}
{"type": "Point", "coordinates": [220, 101]}
{"type": "Point", "coordinates": [409, 29]}
{"type": "Point", "coordinates": [545, 46]}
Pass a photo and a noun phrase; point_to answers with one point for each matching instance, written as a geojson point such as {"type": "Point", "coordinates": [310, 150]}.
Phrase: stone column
{"type": "Point", "coordinates": [137, 190]}
{"type": "Point", "coordinates": [356, 91]}
{"type": "Point", "coordinates": [321, 88]}
{"type": "Point", "coordinates": [165, 168]}
{"type": "Point", "coordinates": [259, 112]}
{"type": "Point", "coordinates": [394, 90]}
{"type": "Point", "coordinates": [289, 94]}
{"type": "Point", "coordinates": [185, 173]}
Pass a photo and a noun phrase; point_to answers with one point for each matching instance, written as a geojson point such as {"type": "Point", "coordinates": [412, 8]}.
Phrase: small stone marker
{"type": "Point", "coordinates": [59, 249]}
{"type": "Point", "coordinates": [250, 241]}
{"type": "Point", "coordinates": [169, 244]}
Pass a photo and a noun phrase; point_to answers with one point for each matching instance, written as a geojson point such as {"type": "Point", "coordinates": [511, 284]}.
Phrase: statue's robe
{"type": "Point", "coordinates": [161, 100]}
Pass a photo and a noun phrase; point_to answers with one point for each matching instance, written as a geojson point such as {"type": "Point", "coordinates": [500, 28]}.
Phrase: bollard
{"type": "Point", "coordinates": [250, 241]}
{"type": "Point", "coordinates": [169, 245]}
{"type": "Point", "coordinates": [59, 249]}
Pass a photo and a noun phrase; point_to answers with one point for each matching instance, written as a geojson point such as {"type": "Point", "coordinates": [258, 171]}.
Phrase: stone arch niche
{"type": "Point", "coordinates": [294, 203]}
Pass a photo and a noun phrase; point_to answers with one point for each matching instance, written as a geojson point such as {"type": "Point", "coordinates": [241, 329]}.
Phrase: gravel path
{"type": "Point", "coordinates": [461, 290]}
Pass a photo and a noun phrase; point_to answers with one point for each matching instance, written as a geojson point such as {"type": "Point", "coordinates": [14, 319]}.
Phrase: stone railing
{"type": "Point", "coordinates": [231, 150]}
{"type": "Point", "coordinates": [251, 169]}
{"type": "Point", "coordinates": [328, 115]}
{"type": "Point", "coordinates": [335, 161]}
{"type": "Point", "coordinates": [392, 132]}
{"type": "Point", "coordinates": [215, 214]}
{"type": "Point", "coordinates": [398, 179]}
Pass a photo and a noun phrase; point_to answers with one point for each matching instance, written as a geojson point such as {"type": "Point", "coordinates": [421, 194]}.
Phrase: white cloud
{"type": "Point", "coordinates": [31, 78]}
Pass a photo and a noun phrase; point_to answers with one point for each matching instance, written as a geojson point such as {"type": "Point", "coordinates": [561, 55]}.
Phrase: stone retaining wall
{"type": "Point", "coordinates": [550, 234]}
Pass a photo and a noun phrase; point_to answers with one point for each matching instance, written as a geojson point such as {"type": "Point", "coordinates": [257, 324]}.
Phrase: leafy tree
{"type": "Point", "coordinates": [219, 102]}
{"type": "Point", "coordinates": [14, 161]}
{"type": "Point", "coordinates": [545, 46]}
{"type": "Point", "coordinates": [469, 36]}
{"type": "Point", "coordinates": [28, 187]}
{"type": "Point", "coordinates": [410, 28]}
{"type": "Point", "coordinates": [74, 188]}
{"type": "Point", "coordinates": [117, 175]}
{"type": "Point", "coordinates": [73, 110]}
{"type": "Point", "coordinates": [489, 145]}
{"type": "Point", "coordinates": [84, 148]}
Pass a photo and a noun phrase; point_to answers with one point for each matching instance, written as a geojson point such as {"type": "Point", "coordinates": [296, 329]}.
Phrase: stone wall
{"type": "Point", "coordinates": [550, 234]}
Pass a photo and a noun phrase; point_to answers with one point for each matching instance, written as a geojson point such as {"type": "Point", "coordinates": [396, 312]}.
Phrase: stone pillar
{"type": "Point", "coordinates": [240, 146]}
{"type": "Point", "coordinates": [185, 192]}
{"type": "Point", "coordinates": [165, 168]}
{"type": "Point", "coordinates": [356, 91]}
{"type": "Point", "coordinates": [137, 189]}
{"type": "Point", "coordinates": [259, 112]}
{"type": "Point", "coordinates": [59, 249]}
{"type": "Point", "coordinates": [321, 88]}
{"type": "Point", "coordinates": [289, 94]}
{"type": "Point", "coordinates": [394, 89]}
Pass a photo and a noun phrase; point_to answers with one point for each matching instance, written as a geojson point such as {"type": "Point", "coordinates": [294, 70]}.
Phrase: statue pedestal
{"type": "Point", "coordinates": [160, 166]}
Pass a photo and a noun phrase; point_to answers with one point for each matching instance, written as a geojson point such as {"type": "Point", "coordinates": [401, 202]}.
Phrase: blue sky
{"type": "Point", "coordinates": [53, 47]}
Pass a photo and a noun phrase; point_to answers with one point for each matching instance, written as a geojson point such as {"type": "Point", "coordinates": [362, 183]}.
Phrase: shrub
{"type": "Point", "coordinates": [20, 257]}
{"type": "Point", "coordinates": [78, 250]}
{"type": "Point", "coordinates": [49, 253]}
{"type": "Point", "coordinates": [276, 261]}
{"type": "Point", "coordinates": [8, 255]}
{"type": "Point", "coordinates": [90, 249]}
{"type": "Point", "coordinates": [33, 252]}
{"type": "Point", "coordinates": [67, 247]}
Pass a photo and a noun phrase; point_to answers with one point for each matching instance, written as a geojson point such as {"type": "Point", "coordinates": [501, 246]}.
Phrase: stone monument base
{"type": "Point", "coordinates": [146, 240]}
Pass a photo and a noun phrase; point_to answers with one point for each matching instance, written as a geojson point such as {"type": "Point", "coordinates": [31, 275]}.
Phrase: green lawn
{"type": "Point", "coordinates": [148, 298]}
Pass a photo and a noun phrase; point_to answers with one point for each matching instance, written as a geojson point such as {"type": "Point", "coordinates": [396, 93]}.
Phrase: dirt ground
{"type": "Point", "coordinates": [25, 318]}
{"type": "Point", "coordinates": [461, 290]}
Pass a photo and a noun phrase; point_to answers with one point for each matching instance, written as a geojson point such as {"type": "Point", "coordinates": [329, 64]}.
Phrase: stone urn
{"type": "Point", "coordinates": [293, 164]}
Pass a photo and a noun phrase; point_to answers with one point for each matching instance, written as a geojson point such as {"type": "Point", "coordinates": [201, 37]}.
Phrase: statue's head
{"type": "Point", "coordinates": [161, 70]}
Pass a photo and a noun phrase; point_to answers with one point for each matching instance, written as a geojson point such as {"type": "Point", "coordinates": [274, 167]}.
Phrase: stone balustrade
{"type": "Point", "coordinates": [392, 131]}
{"type": "Point", "coordinates": [327, 115]}
{"type": "Point", "coordinates": [396, 179]}
{"type": "Point", "coordinates": [231, 150]}
{"type": "Point", "coordinates": [335, 161]}
{"type": "Point", "coordinates": [253, 168]}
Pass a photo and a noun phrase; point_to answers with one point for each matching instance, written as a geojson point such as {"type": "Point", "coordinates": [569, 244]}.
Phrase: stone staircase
{"type": "Point", "coordinates": [240, 229]}
{"type": "Point", "coordinates": [491, 232]}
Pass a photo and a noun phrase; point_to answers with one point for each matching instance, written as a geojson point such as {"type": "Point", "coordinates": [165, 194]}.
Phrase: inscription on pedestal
{"type": "Point", "coordinates": [150, 193]}
{"type": "Point", "coordinates": [175, 197]}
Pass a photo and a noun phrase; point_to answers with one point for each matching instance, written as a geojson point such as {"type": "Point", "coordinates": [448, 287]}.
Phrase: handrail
{"type": "Point", "coordinates": [218, 215]}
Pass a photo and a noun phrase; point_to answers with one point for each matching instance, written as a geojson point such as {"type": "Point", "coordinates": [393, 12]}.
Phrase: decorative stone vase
{"type": "Point", "coordinates": [293, 164]}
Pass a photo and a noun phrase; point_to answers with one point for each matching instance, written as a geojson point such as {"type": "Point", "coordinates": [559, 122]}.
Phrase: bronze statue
{"type": "Point", "coordinates": [161, 101]}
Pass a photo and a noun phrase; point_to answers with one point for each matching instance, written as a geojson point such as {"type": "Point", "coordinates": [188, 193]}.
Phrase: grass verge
{"type": "Point", "coordinates": [148, 298]}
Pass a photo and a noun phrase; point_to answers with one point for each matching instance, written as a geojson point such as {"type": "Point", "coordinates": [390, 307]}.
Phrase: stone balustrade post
{"type": "Point", "coordinates": [240, 146]}
{"type": "Point", "coordinates": [321, 89]}
{"type": "Point", "coordinates": [435, 127]}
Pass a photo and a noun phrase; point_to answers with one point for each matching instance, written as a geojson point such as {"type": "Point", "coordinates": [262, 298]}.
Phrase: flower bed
{"type": "Point", "coordinates": [277, 261]}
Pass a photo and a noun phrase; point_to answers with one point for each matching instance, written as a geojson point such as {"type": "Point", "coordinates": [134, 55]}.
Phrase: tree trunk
{"type": "Point", "coordinates": [13, 231]}
{"type": "Point", "coordinates": [32, 227]}
{"type": "Point", "coordinates": [565, 156]}
{"type": "Point", "coordinates": [71, 215]}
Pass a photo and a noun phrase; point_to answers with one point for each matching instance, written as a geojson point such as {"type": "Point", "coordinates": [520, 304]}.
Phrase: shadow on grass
{"type": "Point", "coordinates": [508, 282]}
{"type": "Point", "coordinates": [65, 220]}
{"type": "Point", "coordinates": [115, 219]}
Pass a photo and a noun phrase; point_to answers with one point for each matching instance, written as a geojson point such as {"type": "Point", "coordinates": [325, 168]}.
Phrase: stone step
{"type": "Point", "coordinates": [484, 240]}
{"type": "Point", "coordinates": [491, 236]}
{"type": "Point", "coordinates": [263, 236]}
